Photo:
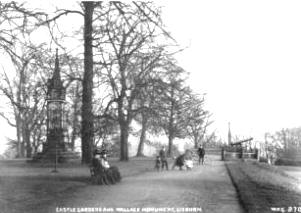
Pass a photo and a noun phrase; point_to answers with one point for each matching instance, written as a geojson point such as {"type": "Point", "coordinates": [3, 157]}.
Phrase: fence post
{"type": "Point", "coordinates": [223, 154]}
{"type": "Point", "coordinates": [257, 154]}
{"type": "Point", "coordinates": [242, 153]}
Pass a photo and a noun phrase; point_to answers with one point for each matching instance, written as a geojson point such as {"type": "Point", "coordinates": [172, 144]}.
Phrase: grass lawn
{"type": "Point", "coordinates": [293, 171]}
{"type": "Point", "coordinates": [25, 187]}
{"type": "Point", "coordinates": [262, 188]}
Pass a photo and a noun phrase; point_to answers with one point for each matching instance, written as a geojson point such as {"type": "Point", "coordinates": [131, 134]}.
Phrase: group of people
{"type": "Point", "coordinates": [101, 171]}
{"type": "Point", "coordinates": [161, 160]}
{"type": "Point", "coordinates": [100, 159]}
{"type": "Point", "coordinates": [182, 160]}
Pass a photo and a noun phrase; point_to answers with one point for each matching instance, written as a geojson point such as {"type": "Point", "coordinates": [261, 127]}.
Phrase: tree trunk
{"type": "Point", "coordinates": [124, 135]}
{"type": "Point", "coordinates": [171, 125]}
{"type": "Point", "coordinates": [124, 125]}
{"type": "Point", "coordinates": [35, 139]}
{"type": "Point", "coordinates": [142, 137]}
{"type": "Point", "coordinates": [22, 153]}
{"type": "Point", "coordinates": [75, 120]}
{"type": "Point", "coordinates": [27, 142]}
{"type": "Point", "coordinates": [195, 143]}
{"type": "Point", "coordinates": [87, 115]}
{"type": "Point", "coordinates": [73, 137]}
{"type": "Point", "coordinates": [170, 144]}
{"type": "Point", "coordinates": [22, 139]}
{"type": "Point", "coordinates": [18, 148]}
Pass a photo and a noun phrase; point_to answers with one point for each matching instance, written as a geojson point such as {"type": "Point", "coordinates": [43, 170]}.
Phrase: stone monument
{"type": "Point", "coordinates": [56, 149]}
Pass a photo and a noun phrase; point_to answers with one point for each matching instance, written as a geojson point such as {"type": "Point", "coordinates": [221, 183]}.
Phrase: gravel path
{"type": "Point", "coordinates": [207, 187]}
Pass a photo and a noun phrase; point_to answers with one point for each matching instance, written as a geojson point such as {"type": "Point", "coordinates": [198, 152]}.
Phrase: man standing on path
{"type": "Point", "coordinates": [162, 155]}
{"type": "Point", "coordinates": [201, 153]}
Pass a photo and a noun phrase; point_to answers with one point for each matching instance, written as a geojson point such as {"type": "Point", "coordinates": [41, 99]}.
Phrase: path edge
{"type": "Point", "coordinates": [241, 201]}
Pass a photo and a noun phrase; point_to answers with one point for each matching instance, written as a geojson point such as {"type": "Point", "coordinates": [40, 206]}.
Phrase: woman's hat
{"type": "Point", "coordinates": [97, 152]}
{"type": "Point", "coordinates": [104, 152]}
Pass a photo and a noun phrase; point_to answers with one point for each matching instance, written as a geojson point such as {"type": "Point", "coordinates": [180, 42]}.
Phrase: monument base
{"type": "Point", "coordinates": [61, 154]}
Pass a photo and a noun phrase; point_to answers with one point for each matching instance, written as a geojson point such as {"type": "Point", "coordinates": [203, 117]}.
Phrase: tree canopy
{"type": "Point", "coordinates": [125, 71]}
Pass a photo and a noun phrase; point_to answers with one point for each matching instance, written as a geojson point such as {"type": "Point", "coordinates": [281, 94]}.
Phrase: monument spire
{"type": "Point", "coordinates": [56, 74]}
{"type": "Point", "coordinates": [229, 134]}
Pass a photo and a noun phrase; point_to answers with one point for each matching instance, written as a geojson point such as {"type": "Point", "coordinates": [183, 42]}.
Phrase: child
{"type": "Point", "coordinates": [157, 163]}
{"type": "Point", "coordinates": [201, 153]}
{"type": "Point", "coordinates": [163, 158]}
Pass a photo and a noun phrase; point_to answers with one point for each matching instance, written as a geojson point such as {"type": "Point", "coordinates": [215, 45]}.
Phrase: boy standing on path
{"type": "Point", "coordinates": [162, 155]}
{"type": "Point", "coordinates": [201, 153]}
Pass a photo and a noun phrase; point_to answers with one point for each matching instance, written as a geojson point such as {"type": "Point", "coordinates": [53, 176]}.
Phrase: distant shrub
{"type": "Point", "coordinates": [287, 162]}
{"type": "Point", "coordinates": [263, 160]}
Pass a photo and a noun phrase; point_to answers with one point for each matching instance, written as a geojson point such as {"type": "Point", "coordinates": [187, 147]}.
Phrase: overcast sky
{"type": "Point", "coordinates": [246, 57]}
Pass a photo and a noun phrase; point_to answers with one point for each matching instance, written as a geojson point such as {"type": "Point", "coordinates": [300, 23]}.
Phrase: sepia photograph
{"type": "Point", "coordinates": [150, 106]}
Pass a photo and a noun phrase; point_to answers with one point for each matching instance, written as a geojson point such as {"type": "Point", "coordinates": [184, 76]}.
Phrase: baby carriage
{"type": "Point", "coordinates": [188, 160]}
{"type": "Point", "coordinates": [184, 160]}
{"type": "Point", "coordinates": [101, 171]}
{"type": "Point", "coordinates": [189, 164]}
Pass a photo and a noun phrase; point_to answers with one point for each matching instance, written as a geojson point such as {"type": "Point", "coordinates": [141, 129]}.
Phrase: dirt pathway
{"type": "Point", "coordinates": [207, 187]}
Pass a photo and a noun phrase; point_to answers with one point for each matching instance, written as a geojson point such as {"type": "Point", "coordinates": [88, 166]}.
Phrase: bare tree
{"type": "Point", "coordinates": [171, 104]}
{"type": "Point", "coordinates": [87, 130]}
{"type": "Point", "coordinates": [146, 102]}
{"type": "Point", "coordinates": [17, 23]}
{"type": "Point", "coordinates": [71, 69]}
{"type": "Point", "coordinates": [285, 140]}
{"type": "Point", "coordinates": [128, 55]}
{"type": "Point", "coordinates": [126, 19]}
{"type": "Point", "coordinates": [197, 119]}
{"type": "Point", "coordinates": [23, 92]}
